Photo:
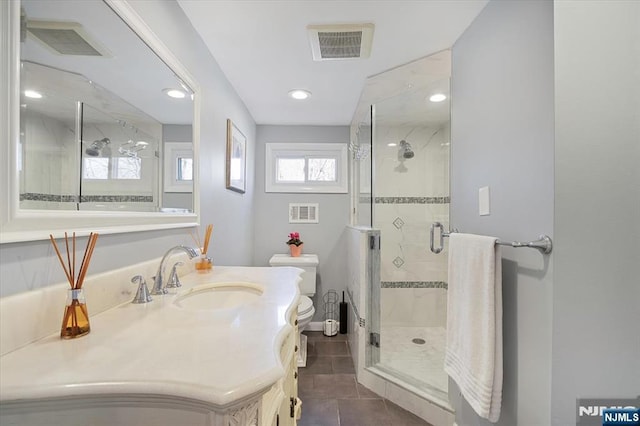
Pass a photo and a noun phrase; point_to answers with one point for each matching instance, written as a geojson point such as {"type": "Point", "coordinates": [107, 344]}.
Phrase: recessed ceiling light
{"type": "Point", "coordinates": [299, 94]}
{"type": "Point", "coordinates": [438, 97]}
{"type": "Point", "coordinates": [32, 94]}
{"type": "Point", "coordinates": [392, 144]}
{"type": "Point", "coordinates": [175, 93]}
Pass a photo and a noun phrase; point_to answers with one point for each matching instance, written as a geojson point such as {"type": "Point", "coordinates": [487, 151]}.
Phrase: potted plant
{"type": "Point", "coordinates": [295, 244]}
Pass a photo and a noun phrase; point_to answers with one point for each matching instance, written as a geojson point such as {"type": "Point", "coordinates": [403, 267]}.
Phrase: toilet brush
{"type": "Point", "coordinates": [343, 316]}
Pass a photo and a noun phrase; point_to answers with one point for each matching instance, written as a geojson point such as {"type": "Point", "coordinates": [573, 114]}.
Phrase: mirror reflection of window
{"type": "Point", "coordinates": [184, 170]}
{"type": "Point", "coordinates": [119, 168]}
{"type": "Point", "coordinates": [96, 168]}
{"type": "Point", "coordinates": [128, 168]}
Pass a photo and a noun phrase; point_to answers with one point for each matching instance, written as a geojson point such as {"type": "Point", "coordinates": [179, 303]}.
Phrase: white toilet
{"type": "Point", "coordinates": [308, 262]}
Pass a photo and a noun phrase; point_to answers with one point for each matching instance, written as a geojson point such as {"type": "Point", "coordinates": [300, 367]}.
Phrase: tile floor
{"type": "Point", "coordinates": [331, 396]}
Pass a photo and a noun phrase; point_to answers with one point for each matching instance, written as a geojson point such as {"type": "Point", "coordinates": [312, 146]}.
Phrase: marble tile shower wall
{"type": "Point", "coordinates": [49, 172]}
{"type": "Point", "coordinates": [411, 194]}
{"type": "Point", "coordinates": [52, 169]}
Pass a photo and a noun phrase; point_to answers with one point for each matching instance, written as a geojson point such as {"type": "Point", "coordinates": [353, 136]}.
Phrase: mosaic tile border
{"type": "Point", "coordinates": [412, 200]}
{"type": "Point", "coordinates": [407, 200]}
{"type": "Point", "coordinates": [414, 284]}
{"type": "Point", "coordinates": [34, 196]}
{"type": "Point", "coordinates": [116, 199]}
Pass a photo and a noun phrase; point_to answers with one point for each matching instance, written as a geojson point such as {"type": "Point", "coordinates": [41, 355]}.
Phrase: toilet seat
{"type": "Point", "coordinates": [304, 306]}
{"type": "Point", "coordinates": [305, 315]}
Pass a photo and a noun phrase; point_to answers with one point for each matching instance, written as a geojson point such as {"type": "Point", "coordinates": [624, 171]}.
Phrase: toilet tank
{"type": "Point", "coordinates": [307, 262]}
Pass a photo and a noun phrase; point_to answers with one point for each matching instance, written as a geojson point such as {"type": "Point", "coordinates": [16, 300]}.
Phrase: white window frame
{"type": "Point", "coordinates": [307, 150]}
{"type": "Point", "coordinates": [173, 151]}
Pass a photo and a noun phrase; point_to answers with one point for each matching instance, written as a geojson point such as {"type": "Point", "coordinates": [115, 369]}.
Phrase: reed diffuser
{"type": "Point", "coordinates": [205, 263]}
{"type": "Point", "coordinates": [75, 322]}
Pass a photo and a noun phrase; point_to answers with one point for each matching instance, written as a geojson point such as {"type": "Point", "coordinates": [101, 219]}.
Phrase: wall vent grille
{"type": "Point", "coordinates": [303, 213]}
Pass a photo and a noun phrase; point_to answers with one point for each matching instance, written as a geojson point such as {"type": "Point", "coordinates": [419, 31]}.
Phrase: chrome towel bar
{"type": "Point", "coordinates": [543, 243]}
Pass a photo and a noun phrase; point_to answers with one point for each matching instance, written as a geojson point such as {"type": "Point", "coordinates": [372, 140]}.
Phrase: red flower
{"type": "Point", "coordinates": [294, 238]}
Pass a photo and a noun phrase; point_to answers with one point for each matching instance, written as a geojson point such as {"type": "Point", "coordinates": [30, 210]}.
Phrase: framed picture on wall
{"type": "Point", "coordinates": [236, 159]}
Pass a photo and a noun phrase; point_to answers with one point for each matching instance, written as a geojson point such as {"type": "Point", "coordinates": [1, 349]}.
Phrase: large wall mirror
{"type": "Point", "coordinates": [101, 125]}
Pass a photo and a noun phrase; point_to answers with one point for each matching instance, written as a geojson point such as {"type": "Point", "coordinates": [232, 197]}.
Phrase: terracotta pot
{"type": "Point", "coordinates": [296, 251]}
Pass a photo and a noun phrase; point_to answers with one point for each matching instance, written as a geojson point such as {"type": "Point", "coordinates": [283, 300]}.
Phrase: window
{"type": "Point", "coordinates": [306, 167]}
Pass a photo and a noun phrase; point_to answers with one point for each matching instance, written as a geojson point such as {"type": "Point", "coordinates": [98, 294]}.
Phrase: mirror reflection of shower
{"type": "Point", "coordinates": [405, 150]}
{"type": "Point", "coordinates": [131, 148]}
{"type": "Point", "coordinates": [359, 152]}
{"type": "Point", "coordinates": [99, 148]}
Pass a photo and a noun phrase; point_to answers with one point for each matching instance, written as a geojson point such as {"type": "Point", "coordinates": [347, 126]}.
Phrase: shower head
{"type": "Point", "coordinates": [97, 146]}
{"type": "Point", "coordinates": [405, 150]}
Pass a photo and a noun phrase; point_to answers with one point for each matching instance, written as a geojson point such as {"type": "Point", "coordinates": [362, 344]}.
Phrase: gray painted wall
{"type": "Point", "coordinates": [327, 239]}
{"type": "Point", "coordinates": [596, 315]}
{"type": "Point", "coordinates": [502, 137]}
{"type": "Point", "coordinates": [31, 265]}
{"type": "Point", "coordinates": [230, 212]}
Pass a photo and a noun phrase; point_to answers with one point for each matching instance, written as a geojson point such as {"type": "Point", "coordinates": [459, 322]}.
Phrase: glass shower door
{"type": "Point", "coordinates": [410, 164]}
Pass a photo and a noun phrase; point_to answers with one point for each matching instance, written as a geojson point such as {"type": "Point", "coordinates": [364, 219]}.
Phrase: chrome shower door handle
{"type": "Point", "coordinates": [434, 249]}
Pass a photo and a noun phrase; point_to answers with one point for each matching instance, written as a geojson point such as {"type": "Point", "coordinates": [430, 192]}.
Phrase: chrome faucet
{"type": "Point", "coordinates": [142, 295]}
{"type": "Point", "coordinates": [158, 284]}
{"type": "Point", "coordinates": [174, 281]}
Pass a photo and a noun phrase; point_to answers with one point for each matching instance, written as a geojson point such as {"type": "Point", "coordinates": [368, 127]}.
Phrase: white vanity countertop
{"type": "Point", "coordinates": [158, 348]}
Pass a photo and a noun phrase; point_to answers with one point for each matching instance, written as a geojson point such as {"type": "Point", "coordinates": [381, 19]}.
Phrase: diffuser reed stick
{"type": "Point", "coordinates": [204, 264]}
{"type": "Point", "coordinates": [207, 238]}
{"type": "Point", "coordinates": [75, 321]}
{"type": "Point", "coordinates": [196, 239]}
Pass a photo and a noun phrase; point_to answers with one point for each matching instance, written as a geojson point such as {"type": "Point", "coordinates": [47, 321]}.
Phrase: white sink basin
{"type": "Point", "coordinates": [219, 296]}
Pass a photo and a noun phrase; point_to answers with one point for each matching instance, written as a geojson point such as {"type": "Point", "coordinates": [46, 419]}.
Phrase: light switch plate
{"type": "Point", "coordinates": [484, 204]}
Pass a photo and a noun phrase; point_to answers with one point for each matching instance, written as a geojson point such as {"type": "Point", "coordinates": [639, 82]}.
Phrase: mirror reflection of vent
{"type": "Point", "coordinates": [303, 213]}
{"type": "Point", "coordinates": [65, 38]}
{"type": "Point", "coordinates": [344, 41]}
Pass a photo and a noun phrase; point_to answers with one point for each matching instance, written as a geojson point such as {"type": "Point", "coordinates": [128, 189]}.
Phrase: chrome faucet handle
{"type": "Point", "coordinates": [142, 295]}
{"type": "Point", "coordinates": [174, 280]}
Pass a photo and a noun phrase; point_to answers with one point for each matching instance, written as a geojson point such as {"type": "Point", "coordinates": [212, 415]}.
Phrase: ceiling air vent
{"type": "Point", "coordinates": [343, 41]}
{"type": "Point", "coordinates": [65, 38]}
{"type": "Point", "coordinates": [303, 213]}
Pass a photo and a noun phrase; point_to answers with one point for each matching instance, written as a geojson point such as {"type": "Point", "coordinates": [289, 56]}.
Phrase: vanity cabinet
{"type": "Point", "coordinates": [195, 369]}
{"type": "Point", "coordinates": [279, 406]}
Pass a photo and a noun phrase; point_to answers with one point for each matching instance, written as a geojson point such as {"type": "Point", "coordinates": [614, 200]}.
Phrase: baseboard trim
{"type": "Point", "coordinates": [318, 326]}
{"type": "Point", "coordinates": [315, 326]}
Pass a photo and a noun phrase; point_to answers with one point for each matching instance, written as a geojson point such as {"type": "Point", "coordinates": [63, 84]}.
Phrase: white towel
{"type": "Point", "coordinates": [473, 356]}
